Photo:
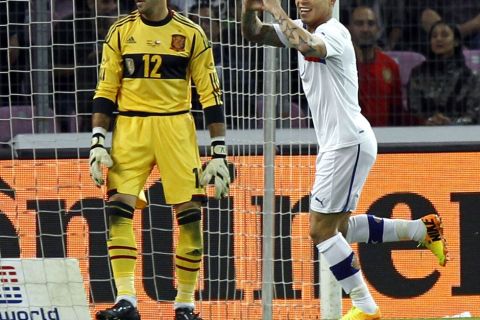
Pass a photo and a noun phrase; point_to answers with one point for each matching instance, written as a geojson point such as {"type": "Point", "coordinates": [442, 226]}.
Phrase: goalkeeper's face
{"type": "Point", "coordinates": [149, 8]}
{"type": "Point", "coordinates": [314, 12]}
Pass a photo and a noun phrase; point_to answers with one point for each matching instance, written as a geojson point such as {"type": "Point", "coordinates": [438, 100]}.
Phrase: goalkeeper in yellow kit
{"type": "Point", "coordinates": [149, 59]}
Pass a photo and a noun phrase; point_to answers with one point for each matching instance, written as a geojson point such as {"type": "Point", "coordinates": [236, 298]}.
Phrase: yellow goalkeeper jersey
{"type": "Point", "coordinates": [148, 66]}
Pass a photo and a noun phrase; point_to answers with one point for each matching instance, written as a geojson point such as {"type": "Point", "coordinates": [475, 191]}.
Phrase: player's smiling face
{"type": "Point", "coordinates": [314, 12]}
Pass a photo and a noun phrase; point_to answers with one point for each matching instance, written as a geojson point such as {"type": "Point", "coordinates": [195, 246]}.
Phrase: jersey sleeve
{"type": "Point", "coordinates": [204, 73]}
{"type": "Point", "coordinates": [111, 70]}
{"type": "Point", "coordinates": [335, 38]}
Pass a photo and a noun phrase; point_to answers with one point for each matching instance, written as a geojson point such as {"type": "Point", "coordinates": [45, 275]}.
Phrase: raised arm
{"type": "Point", "coordinates": [471, 26]}
{"type": "Point", "coordinates": [299, 38]}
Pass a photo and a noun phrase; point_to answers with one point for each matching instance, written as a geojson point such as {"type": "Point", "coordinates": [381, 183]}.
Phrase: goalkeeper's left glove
{"type": "Point", "coordinates": [217, 169]}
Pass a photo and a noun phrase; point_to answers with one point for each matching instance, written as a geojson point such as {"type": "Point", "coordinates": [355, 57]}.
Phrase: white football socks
{"type": "Point", "coordinates": [339, 256]}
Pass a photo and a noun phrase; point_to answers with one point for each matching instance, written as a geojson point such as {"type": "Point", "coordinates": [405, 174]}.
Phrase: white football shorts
{"type": "Point", "coordinates": [340, 176]}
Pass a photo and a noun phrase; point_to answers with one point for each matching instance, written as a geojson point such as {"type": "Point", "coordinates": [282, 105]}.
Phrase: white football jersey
{"type": "Point", "coordinates": [331, 88]}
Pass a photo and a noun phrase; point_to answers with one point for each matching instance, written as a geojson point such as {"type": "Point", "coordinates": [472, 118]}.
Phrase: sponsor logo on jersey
{"type": "Point", "coordinates": [131, 39]}
{"type": "Point", "coordinates": [178, 42]}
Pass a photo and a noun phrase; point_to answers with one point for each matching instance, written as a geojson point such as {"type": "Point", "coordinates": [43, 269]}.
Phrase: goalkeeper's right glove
{"type": "Point", "coordinates": [98, 155]}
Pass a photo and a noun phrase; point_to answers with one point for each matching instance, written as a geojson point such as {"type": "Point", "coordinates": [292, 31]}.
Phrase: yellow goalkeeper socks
{"type": "Point", "coordinates": [122, 247]}
{"type": "Point", "coordinates": [189, 254]}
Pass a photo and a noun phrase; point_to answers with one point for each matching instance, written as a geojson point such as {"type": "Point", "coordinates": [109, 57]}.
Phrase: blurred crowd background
{"type": "Point", "coordinates": [418, 62]}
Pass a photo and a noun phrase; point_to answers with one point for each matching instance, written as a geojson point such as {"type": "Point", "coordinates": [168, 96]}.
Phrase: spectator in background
{"type": "Point", "coordinates": [443, 90]}
{"type": "Point", "coordinates": [76, 55]}
{"type": "Point", "coordinates": [13, 54]}
{"type": "Point", "coordinates": [463, 13]}
{"type": "Point", "coordinates": [389, 19]}
{"type": "Point", "coordinates": [380, 93]}
{"type": "Point", "coordinates": [413, 36]}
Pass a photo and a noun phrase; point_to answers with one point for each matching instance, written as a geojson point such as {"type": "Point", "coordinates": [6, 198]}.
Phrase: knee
{"type": "Point", "coordinates": [120, 218]}
{"type": "Point", "coordinates": [320, 232]}
{"type": "Point", "coordinates": [323, 227]}
{"type": "Point", "coordinates": [318, 235]}
{"type": "Point", "coordinates": [188, 217]}
{"type": "Point", "coordinates": [126, 199]}
{"type": "Point", "coordinates": [190, 228]}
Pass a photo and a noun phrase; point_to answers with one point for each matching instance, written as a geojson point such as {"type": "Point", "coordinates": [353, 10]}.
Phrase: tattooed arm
{"type": "Point", "coordinates": [255, 30]}
{"type": "Point", "coordinates": [302, 40]}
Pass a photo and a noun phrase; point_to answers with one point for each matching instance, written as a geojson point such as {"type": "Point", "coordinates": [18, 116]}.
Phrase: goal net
{"type": "Point", "coordinates": [259, 261]}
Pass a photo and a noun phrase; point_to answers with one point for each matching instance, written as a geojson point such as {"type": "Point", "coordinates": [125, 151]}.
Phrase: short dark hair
{"type": "Point", "coordinates": [363, 6]}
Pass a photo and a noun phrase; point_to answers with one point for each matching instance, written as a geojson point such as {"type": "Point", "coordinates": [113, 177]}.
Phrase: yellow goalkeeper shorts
{"type": "Point", "coordinates": [170, 142]}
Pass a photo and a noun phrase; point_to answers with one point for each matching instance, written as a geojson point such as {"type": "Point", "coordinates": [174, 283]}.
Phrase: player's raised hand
{"type": "Point", "coordinates": [260, 5]}
{"type": "Point", "coordinates": [253, 5]}
{"type": "Point", "coordinates": [98, 156]}
{"type": "Point", "coordinates": [269, 5]}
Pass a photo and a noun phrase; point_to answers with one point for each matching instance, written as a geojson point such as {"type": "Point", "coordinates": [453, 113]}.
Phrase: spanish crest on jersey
{"type": "Point", "coordinates": [178, 42]}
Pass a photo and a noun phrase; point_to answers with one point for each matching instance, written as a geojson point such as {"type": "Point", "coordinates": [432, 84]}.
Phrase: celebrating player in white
{"type": "Point", "coordinates": [348, 147]}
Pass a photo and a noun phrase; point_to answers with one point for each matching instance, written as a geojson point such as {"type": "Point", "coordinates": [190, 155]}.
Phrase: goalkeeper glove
{"type": "Point", "coordinates": [217, 169]}
{"type": "Point", "coordinates": [98, 155]}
